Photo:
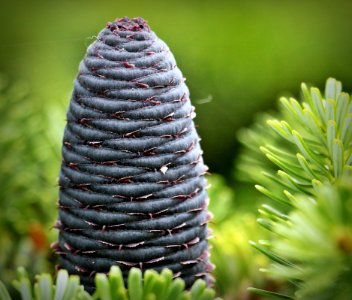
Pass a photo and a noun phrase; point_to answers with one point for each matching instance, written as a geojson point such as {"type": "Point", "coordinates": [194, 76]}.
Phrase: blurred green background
{"type": "Point", "coordinates": [237, 56]}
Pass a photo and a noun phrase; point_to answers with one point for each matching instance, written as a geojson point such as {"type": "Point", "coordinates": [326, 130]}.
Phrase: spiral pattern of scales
{"type": "Point", "coordinates": [132, 186]}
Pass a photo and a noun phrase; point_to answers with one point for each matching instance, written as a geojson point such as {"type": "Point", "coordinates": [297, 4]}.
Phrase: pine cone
{"type": "Point", "coordinates": [132, 186]}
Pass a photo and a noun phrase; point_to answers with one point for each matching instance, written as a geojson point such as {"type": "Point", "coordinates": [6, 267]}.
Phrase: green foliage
{"type": "Point", "coordinates": [307, 153]}
{"type": "Point", "coordinates": [27, 180]}
{"type": "Point", "coordinates": [237, 263]}
{"type": "Point", "coordinates": [66, 287]}
{"type": "Point", "coordinates": [308, 144]}
{"type": "Point", "coordinates": [269, 294]}
{"type": "Point", "coordinates": [222, 199]}
{"type": "Point", "coordinates": [316, 242]}
{"type": "Point", "coordinates": [150, 286]}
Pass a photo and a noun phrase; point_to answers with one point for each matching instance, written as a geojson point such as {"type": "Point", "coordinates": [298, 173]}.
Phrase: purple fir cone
{"type": "Point", "coordinates": [132, 186]}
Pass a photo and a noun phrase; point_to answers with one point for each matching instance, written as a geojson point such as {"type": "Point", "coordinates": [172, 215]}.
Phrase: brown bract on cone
{"type": "Point", "coordinates": [132, 186]}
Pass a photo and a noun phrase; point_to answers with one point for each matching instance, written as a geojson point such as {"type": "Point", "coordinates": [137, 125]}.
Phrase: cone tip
{"type": "Point", "coordinates": [127, 24]}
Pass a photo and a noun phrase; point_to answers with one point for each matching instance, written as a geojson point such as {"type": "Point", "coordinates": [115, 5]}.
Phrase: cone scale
{"type": "Point", "coordinates": [132, 186]}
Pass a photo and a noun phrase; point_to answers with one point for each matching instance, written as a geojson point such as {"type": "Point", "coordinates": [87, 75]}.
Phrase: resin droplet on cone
{"type": "Point", "coordinates": [132, 186]}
